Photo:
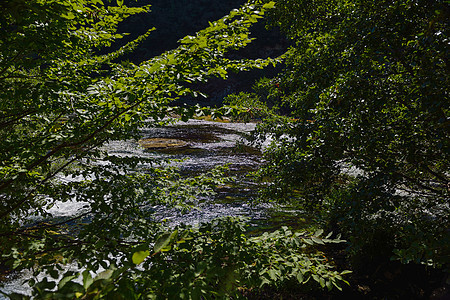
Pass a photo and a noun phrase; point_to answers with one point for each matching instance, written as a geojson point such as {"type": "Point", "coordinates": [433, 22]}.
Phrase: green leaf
{"type": "Point", "coordinates": [140, 256]}
{"type": "Point", "coordinates": [322, 282]}
{"type": "Point", "coordinates": [269, 5]}
{"type": "Point", "coordinates": [105, 274]}
{"type": "Point", "coordinates": [300, 277]}
{"type": "Point", "coordinates": [264, 281]}
{"type": "Point", "coordinates": [162, 242]}
{"type": "Point", "coordinates": [317, 240]}
{"type": "Point", "coordinates": [329, 285]}
{"type": "Point", "coordinates": [337, 286]}
{"type": "Point", "coordinates": [65, 280]}
{"type": "Point", "coordinates": [87, 279]}
{"type": "Point", "coordinates": [318, 232]}
{"type": "Point", "coordinates": [272, 274]}
{"type": "Point", "coordinates": [308, 241]}
{"type": "Point", "coordinates": [316, 277]}
{"type": "Point", "coordinates": [68, 16]}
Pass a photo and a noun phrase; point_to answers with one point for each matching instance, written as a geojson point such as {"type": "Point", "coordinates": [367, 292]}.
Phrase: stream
{"type": "Point", "coordinates": [207, 145]}
{"type": "Point", "coordinates": [202, 146]}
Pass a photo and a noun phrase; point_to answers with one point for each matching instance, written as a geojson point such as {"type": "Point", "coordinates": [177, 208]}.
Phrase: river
{"type": "Point", "coordinates": [205, 144]}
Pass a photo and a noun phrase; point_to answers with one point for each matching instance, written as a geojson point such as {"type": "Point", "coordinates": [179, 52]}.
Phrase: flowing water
{"type": "Point", "coordinates": [205, 145]}
{"type": "Point", "coordinates": [208, 144]}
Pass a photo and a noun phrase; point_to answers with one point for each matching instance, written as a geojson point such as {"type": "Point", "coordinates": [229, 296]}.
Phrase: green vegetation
{"type": "Point", "coordinates": [62, 97]}
{"type": "Point", "coordinates": [214, 260]}
{"type": "Point", "coordinates": [358, 119]}
{"type": "Point", "coordinates": [362, 142]}
{"type": "Point", "coordinates": [365, 146]}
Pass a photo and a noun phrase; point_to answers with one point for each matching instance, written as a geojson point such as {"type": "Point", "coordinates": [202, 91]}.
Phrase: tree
{"type": "Point", "coordinates": [366, 145]}
{"type": "Point", "coordinates": [63, 96]}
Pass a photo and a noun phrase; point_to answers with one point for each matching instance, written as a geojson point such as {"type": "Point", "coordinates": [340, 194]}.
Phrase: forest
{"type": "Point", "coordinates": [346, 138]}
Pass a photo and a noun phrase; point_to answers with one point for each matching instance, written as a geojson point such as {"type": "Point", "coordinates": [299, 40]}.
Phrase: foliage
{"type": "Point", "coordinates": [253, 106]}
{"type": "Point", "coordinates": [63, 98]}
{"type": "Point", "coordinates": [215, 260]}
{"type": "Point", "coordinates": [367, 138]}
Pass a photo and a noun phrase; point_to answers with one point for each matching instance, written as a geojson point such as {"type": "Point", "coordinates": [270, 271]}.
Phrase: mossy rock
{"type": "Point", "coordinates": [161, 143]}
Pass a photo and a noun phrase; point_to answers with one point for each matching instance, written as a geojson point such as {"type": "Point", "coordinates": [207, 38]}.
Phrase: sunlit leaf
{"type": "Point", "coordinates": [140, 256]}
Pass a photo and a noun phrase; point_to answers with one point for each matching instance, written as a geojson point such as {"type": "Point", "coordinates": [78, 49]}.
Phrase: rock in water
{"type": "Point", "coordinates": [161, 143]}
